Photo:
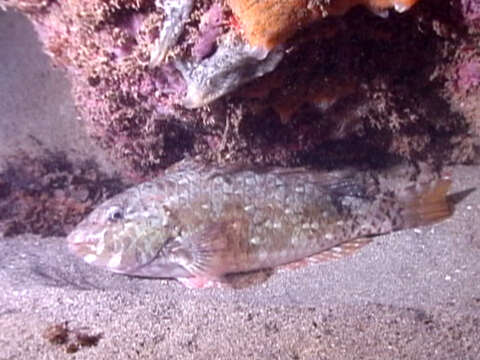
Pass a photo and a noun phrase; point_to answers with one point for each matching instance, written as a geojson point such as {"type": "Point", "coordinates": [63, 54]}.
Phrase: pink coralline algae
{"type": "Point", "coordinates": [469, 76]}
{"type": "Point", "coordinates": [168, 80]}
{"type": "Point", "coordinates": [210, 30]}
{"type": "Point", "coordinates": [130, 26]}
{"type": "Point", "coordinates": [471, 10]}
{"type": "Point", "coordinates": [131, 23]}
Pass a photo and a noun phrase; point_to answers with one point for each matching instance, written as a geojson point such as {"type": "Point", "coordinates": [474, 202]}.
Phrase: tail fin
{"type": "Point", "coordinates": [429, 204]}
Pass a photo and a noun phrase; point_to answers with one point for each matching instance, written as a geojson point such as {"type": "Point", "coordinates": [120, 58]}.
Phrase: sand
{"type": "Point", "coordinates": [414, 294]}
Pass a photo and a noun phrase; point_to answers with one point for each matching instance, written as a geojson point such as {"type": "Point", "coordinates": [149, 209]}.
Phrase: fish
{"type": "Point", "coordinates": [202, 224]}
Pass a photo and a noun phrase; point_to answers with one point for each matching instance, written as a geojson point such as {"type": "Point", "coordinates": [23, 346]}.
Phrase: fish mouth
{"type": "Point", "coordinates": [82, 244]}
{"type": "Point", "coordinates": [86, 248]}
{"type": "Point", "coordinates": [82, 248]}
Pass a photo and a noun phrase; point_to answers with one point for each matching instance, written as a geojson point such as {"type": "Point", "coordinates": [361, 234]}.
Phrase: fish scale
{"type": "Point", "coordinates": [200, 223]}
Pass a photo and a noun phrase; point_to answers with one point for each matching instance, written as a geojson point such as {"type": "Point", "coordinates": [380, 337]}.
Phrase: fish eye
{"type": "Point", "coordinates": [115, 213]}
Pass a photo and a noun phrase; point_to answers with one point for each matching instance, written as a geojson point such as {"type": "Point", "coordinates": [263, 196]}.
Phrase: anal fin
{"type": "Point", "coordinates": [335, 253]}
{"type": "Point", "coordinates": [340, 251]}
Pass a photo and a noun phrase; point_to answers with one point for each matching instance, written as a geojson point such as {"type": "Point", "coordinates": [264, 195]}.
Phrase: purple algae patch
{"type": "Point", "coordinates": [471, 10]}
{"type": "Point", "coordinates": [469, 75]}
{"type": "Point", "coordinates": [210, 30]}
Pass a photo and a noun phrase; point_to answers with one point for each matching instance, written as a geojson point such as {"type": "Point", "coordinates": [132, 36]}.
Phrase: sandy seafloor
{"type": "Point", "coordinates": [413, 294]}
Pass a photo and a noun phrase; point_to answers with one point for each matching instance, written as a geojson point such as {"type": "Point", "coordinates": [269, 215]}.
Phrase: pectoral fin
{"type": "Point", "coordinates": [210, 252]}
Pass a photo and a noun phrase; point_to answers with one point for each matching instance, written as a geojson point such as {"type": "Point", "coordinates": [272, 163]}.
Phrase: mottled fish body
{"type": "Point", "coordinates": [199, 223]}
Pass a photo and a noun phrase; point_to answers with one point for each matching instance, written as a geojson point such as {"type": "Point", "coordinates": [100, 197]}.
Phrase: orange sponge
{"type": "Point", "coordinates": [268, 23]}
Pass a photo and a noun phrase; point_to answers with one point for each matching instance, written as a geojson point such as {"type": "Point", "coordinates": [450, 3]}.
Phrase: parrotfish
{"type": "Point", "coordinates": [200, 223]}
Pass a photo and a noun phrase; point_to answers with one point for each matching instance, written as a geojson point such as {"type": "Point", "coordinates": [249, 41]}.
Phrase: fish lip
{"type": "Point", "coordinates": [81, 243]}
{"type": "Point", "coordinates": [81, 248]}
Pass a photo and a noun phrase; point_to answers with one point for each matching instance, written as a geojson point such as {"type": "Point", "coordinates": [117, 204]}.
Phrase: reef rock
{"type": "Point", "coordinates": [324, 82]}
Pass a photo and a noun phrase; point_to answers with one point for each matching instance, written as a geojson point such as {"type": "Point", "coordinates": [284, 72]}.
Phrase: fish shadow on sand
{"type": "Point", "coordinates": [51, 276]}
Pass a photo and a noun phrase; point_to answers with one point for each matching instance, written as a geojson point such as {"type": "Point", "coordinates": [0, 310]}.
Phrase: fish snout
{"type": "Point", "coordinates": [83, 245]}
